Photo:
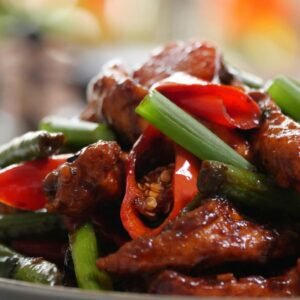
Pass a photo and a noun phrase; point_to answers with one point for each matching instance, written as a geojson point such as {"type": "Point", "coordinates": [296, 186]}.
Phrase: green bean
{"type": "Point", "coordinates": [246, 78]}
{"type": "Point", "coordinates": [28, 224]}
{"type": "Point", "coordinates": [36, 270]}
{"type": "Point", "coordinates": [247, 188]}
{"type": "Point", "coordinates": [30, 146]}
{"type": "Point", "coordinates": [77, 133]}
{"type": "Point", "coordinates": [84, 250]}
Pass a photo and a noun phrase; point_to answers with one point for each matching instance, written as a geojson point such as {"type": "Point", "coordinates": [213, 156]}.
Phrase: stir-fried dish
{"type": "Point", "coordinates": [181, 176]}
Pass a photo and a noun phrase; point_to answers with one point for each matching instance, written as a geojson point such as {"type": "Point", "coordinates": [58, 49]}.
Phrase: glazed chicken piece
{"type": "Point", "coordinates": [113, 96]}
{"type": "Point", "coordinates": [195, 58]}
{"type": "Point", "coordinates": [277, 144]}
{"type": "Point", "coordinates": [92, 178]}
{"type": "Point", "coordinates": [212, 234]}
{"type": "Point", "coordinates": [173, 283]}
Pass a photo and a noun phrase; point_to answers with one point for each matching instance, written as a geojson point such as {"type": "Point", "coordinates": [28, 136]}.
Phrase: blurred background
{"type": "Point", "coordinates": [49, 49]}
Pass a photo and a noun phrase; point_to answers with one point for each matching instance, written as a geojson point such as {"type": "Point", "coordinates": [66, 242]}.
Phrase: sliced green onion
{"type": "Point", "coordinates": [286, 93]}
{"type": "Point", "coordinates": [84, 250]}
{"type": "Point", "coordinates": [77, 132]}
{"type": "Point", "coordinates": [186, 131]}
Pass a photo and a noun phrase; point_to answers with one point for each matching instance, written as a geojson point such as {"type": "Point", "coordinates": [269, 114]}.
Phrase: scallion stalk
{"type": "Point", "coordinates": [84, 250]}
{"type": "Point", "coordinates": [286, 93]}
{"type": "Point", "coordinates": [187, 131]}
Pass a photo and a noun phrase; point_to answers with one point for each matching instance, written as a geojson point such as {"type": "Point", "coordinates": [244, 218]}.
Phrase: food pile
{"type": "Point", "coordinates": [180, 177]}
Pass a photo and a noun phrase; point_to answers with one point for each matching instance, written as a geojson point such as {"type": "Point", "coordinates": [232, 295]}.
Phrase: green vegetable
{"type": "Point", "coordinates": [28, 224]}
{"type": "Point", "coordinates": [247, 188]}
{"type": "Point", "coordinates": [84, 250]}
{"type": "Point", "coordinates": [246, 78]}
{"type": "Point", "coordinates": [30, 146]}
{"type": "Point", "coordinates": [186, 131]}
{"type": "Point", "coordinates": [196, 202]}
{"type": "Point", "coordinates": [36, 270]}
{"type": "Point", "coordinates": [77, 133]}
{"type": "Point", "coordinates": [286, 93]}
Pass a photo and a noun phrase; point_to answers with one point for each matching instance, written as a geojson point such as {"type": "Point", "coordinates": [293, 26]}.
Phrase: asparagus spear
{"type": "Point", "coordinates": [15, 266]}
{"type": "Point", "coordinates": [25, 224]}
{"type": "Point", "coordinates": [77, 133]}
{"type": "Point", "coordinates": [84, 250]}
{"type": "Point", "coordinates": [246, 187]}
{"type": "Point", "coordinates": [29, 146]}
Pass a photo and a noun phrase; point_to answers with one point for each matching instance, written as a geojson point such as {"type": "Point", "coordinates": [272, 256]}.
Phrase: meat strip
{"type": "Point", "coordinates": [95, 176]}
{"type": "Point", "coordinates": [277, 144]}
{"type": "Point", "coordinates": [195, 58]}
{"type": "Point", "coordinates": [113, 96]}
{"type": "Point", "coordinates": [214, 233]}
{"type": "Point", "coordinates": [173, 283]}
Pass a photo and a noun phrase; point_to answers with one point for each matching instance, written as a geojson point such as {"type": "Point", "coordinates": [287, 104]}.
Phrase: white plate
{"type": "Point", "coordinates": [17, 290]}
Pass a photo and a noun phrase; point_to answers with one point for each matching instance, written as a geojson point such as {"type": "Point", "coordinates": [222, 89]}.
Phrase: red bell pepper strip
{"type": "Point", "coordinates": [225, 105]}
{"type": "Point", "coordinates": [21, 185]}
{"type": "Point", "coordinates": [184, 185]}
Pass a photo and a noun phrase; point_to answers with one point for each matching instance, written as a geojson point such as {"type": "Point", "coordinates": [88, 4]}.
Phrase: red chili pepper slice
{"type": "Point", "coordinates": [21, 185]}
{"type": "Point", "coordinates": [225, 105]}
{"type": "Point", "coordinates": [184, 185]}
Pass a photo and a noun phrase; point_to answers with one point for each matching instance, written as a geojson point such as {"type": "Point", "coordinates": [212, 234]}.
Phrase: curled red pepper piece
{"type": "Point", "coordinates": [184, 185]}
{"type": "Point", "coordinates": [225, 105]}
{"type": "Point", "coordinates": [21, 185]}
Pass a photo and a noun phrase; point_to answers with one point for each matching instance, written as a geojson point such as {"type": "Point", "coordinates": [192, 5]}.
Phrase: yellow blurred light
{"type": "Point", "coordinates": [131, 18]}
{"type": "Point", "coordinates": [267, 40]}
{"type": "Point", "coordinates": [76, 24]}
{"type": "Point", "coordinates": [41, 5]}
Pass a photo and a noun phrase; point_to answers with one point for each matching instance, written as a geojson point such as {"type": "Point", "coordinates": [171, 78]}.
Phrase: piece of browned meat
{"type": "Point", "coordinates": [173, 283]}
{"type": "Point", "coordinates": [212, 234]}
{"type": "Point", "coordinates": [95, 176]}
{"type": "Point", "coordinates": [195, 58]}
{"type": "Point", "coordinates": [277, 144]}
{"type": "Point", "coordinates": [113, 96]}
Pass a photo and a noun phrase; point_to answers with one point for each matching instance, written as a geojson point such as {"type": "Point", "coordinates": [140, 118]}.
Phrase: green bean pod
{"type": "Point", "coordinates": [30, 146]}
{"type": "Point", "coordinates": [35, 270]}
{"type": "Point", "coordinates": [20, 225]}
{"type": "Point", "coordinates": [77, 133]}
{"type": "Point", "coordinates": [247, 188]}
